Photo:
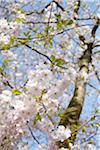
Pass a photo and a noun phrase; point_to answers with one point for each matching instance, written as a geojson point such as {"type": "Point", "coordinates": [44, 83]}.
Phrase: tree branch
{"type": "Point", "coordinates": [95, 27]}
{"type": "Point", "coordinates": [33, 136]}
{"type": "Point", "coordinates": [58, 5]}
{"type": "Point", "coordinates": [44, 55]}
{"type": "Point", "coordinates": [6, 83]}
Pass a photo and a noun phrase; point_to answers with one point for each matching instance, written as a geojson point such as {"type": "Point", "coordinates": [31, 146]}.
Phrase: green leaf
{"type": "Point", "coordinates": [75, 126]}
{"type": "Point", "coordinates": [61, 115]}
{"type": "Point", "coordinates": [51, 43]}
{"type": "Point", "coordinates": [20, 20]}
{"type": "Point", "coordinates": [40, 35]}
{"type": "Point", "coordinates": [97, 111]}
{"type": "Point", "coordinates": [69, 22]}
{"type": "Point", "coordinates": [6, 61]}
{"type": "Point", "coordinates": [47, 29]}
{"type": "Point", "coordinates": [5, 46]}
{"type": "Point", "coordinates": [84, 130]}
{"type": "Point", "coordinates": [60, 25]}
{"type": "Point", "coordinates": [16, 92]}
{"type": "Point", "coordinates": [60, 62]}
{"type": "Point", "coordinates": [93, 118]}
{"type": "Point", "coordinates": [11, 41]}
{"type": "Point", "coordinates": [64, 23]}
{"type": "Point", "coordinates": [20, 10]}
{"type": "Point", "coordinates": [98, 124]}
{"type": "Point", "coordinates": [58, 16]}
{"type": "Point", "coordinates": [23, 40]}
{"type": "Point", "coordinates": [1, 68]}
{"type": "Point", "coordinates": [27, 34]}
{"type": "Point", "coordinates": [53, 59]}
{"type": "Point", "coordinates": [91, 142]}
{"type": "Point", "coordinates": [37, 118]}
{"type": "Point", "coordinates": [37, 98]}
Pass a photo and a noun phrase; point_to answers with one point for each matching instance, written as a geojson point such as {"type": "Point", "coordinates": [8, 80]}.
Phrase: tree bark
{"type": "Point", "coordinates": [72, 113]}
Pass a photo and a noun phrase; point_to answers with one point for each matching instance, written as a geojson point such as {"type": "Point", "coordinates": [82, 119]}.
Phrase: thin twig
{"type": "Point", "coordinates": [33, 136]}
{"type": "Point", "coordinates": [91, 136]}
{"type": "Point", "coordinates": [93, 87]}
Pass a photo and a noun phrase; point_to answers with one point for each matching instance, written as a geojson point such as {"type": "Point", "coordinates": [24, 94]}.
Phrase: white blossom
{"type": "Point", "coordinates": [45, 87]}
{"type": "Point", "coordinates": [4, 38]}
{"type": "Point", "coordinates": [63, 148]}
{"type": "Point", "coordinates": [3, 25]}
{"type": "Point", "coordinates": [42, 147]}
{"type": "Point", "coordinates": [61, 133]}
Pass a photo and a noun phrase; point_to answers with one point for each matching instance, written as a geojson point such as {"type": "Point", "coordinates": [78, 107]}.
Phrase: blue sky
{"type": "Point", "coordinates": [90, 102]}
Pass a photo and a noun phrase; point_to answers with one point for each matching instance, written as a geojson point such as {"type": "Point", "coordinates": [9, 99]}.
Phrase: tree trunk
{"type": "Point", "coordinates": [72, 113]}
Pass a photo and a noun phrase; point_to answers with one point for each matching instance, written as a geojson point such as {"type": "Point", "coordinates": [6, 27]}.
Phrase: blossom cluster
{"type": "Point", "coordinates": [61, 133]}
{"type": "Point", "coordinates": [31, 89]}
{"type": "Point", "coordinates": [8, 30]}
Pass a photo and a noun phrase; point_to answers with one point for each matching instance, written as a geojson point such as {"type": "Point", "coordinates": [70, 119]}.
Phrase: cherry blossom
{"type": "Point", "coordinates": [48, 55]}
{"type": "Point", "coordinates": [61, 133]}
